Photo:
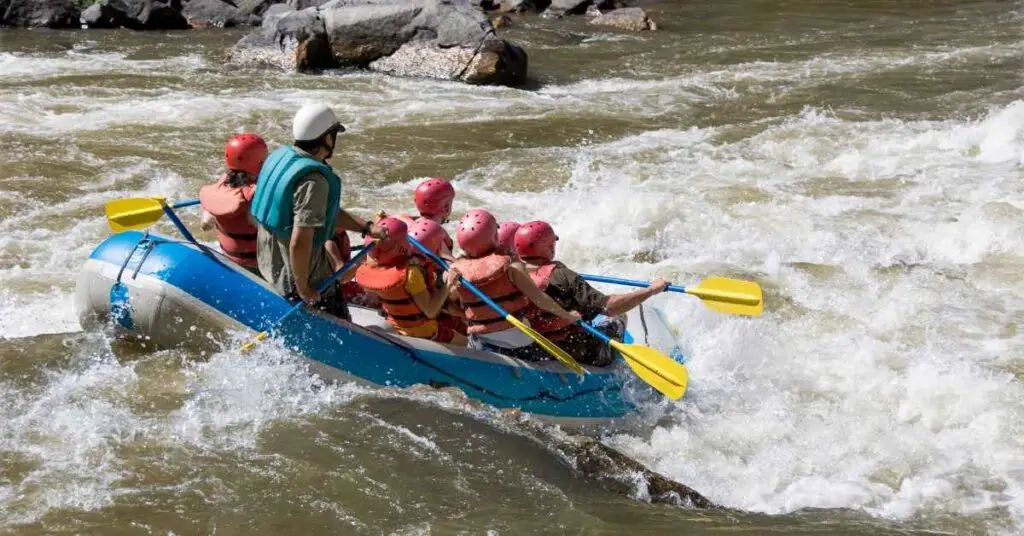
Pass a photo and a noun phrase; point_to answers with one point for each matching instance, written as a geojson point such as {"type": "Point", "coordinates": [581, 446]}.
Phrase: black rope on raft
{"type": "Point", "coordinates": [544, 394]}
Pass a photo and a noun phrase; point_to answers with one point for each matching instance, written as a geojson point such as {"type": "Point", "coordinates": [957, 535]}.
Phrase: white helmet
{"type": "Point", "coordinates": [313, 121]}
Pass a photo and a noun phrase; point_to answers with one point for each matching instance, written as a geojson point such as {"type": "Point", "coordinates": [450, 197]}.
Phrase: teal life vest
{"type": "Point", "coordinates": [273, 203]}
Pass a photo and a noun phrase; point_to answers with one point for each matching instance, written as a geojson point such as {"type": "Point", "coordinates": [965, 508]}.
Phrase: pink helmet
{"type": "Point", "coordinates": [434, 198]}
{"type": "Point", "coordinates": [535, 240]}
{"type": "Point", "coordinates": [429, 233]}
{"type": "Point", "coordinates": [393, 249]}
{"type": "Point", "coordinates": [477, 233]}
{"type": "Point", "coordinates": [506, 237]}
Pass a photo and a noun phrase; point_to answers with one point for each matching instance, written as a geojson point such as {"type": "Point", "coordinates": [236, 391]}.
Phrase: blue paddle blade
{"type": "Point", "coordinates": [120, 306]}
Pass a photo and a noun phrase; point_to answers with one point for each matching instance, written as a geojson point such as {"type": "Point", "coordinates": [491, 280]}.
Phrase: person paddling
{"type": "Point", "coordinates": [432, 236]}
{"type": "Point", "coordinates": [225, 203]}
{"type": "Point", "coordinates": [297, 206]}
{"type": "Point", "coordinates": [535, 243]}
{"type": "Point", "coordinates": [405, 287]}
{"type": "Point", "coordinates": [504, 281]}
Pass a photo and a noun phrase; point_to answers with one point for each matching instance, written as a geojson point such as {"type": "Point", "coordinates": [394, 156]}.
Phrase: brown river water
{"type": "Point", "coordinates": [862, 160]}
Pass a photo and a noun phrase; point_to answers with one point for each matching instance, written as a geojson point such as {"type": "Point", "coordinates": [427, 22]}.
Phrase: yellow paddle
{"type": "Point", "coordinates": [720, 294]}
{"type": "Point", "coordinates": [142, 212]}
{"type": "Point", "coordinates": [660, 371]}
{"type": "Point", "coordinates": [542, 341]}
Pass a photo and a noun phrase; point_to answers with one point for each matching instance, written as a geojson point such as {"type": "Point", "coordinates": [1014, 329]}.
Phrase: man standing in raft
{"type": "Point", "coordinates": [405, 286]}
{"type": "Point", "coordinates": [297, 205]}
{"type": "Point", "coordinates": [505, 282]}
{"type": "Point", "coordinates": [226, 203]}
{"type": "Point", "coordinates": [535, 243]}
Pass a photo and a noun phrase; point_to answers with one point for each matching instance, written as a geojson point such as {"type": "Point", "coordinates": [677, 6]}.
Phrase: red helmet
{"type": "Point", "coordinates": [506, 237]}
{"type": "Point", "coordinates": [477, 233]}
{"type": "Point", "coordinates": [535, 240]}
{"type": "Point", "coordinates": [393, 249]}
{"type": "Point", "coordinates": [434, 198]}
{"type": "Point", "coordinates": [429, 233]}
{"type": "Point", "coordinates": [245, 152]}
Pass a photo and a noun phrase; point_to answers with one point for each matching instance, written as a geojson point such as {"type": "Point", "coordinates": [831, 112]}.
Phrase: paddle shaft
{"type": "Point", "coordinates": [628, 282]}
{"type": "Point", "coordinates": [184, 204]}
{"type": "Point", "coordinates": [326, 283]}
{"type": "Point", "coordinates": [169, 211]}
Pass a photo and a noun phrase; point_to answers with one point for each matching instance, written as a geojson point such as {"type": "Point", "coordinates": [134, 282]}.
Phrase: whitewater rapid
{"type": "Point", "coordinates": [885, 375]}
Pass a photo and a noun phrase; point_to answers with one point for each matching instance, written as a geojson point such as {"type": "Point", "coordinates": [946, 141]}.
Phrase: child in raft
{"type": "Point", "coordinates": [405, 287]}
{"type": "Point", "coordinates": [225, 203]}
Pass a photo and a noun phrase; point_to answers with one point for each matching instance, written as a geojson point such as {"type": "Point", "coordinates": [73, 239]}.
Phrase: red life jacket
{"type": "Point", "coordinates": [490, 274]}
{"type": "Point", "coordinates": [230, 210]}
{"type": "Point", "coordinates": [553, 327]}
{"type": "Point", "coordinates": [388, 282]}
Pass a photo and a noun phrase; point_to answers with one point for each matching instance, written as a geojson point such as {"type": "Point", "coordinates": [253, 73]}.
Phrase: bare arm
{"type": "Point", "coordinates": [334, 255]}
{"type": "Point", "coordinates": [430, 304]}
{"type": "Point", "coordinates": [300, 251]}
{"type": "Point", "coordinates": [621, 303]}
{"type": "Point", "coordinates": [526, 285]}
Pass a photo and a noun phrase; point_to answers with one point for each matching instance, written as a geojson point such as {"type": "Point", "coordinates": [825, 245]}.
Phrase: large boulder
{"type": "Point", "coordinates": [136, 14]}
{"type": "Point", "coordinates": [445, 39]}
{"type": "Point", "coordinates": [225, 13]}
{"type": "Point", "coordinates": [39, 13]}
{"type": "Point", "coordinates": [633, 19]}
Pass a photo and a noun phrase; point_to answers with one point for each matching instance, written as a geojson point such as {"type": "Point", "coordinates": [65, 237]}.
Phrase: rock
{"type": "Point", "coordinates": [633, 19]}
{"type": "Point", "coordinates": [501, 21]}
{"type": "Point", "coordinates": [277, 43]}
{"type": "Point", "coordinates": [303, 4]}
{"type": "Point", "coordinates": [136, 14]}
{"type": "Point", "coordinates": [103, 15]}
{"type": "Point", "coordinates": [445, 39]}
{"type": "Point", "coordinates": [225, 13]}
{"type": "Point", "coordinates": [498, 62]}
{"type": "Point", "coordinates": [559, 8]}
{"type": "Point", "coordinates": [516, 6]}
{"type": "Point", "coordinates": [40, 13]}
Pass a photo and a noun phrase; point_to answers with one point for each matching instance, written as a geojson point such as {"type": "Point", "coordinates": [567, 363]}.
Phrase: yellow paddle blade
{"type": "Point", "coordinates": [660, 371]}
{"type": "Point", "coordinates": [547, 345]}
{"type": "Point", "coordinates": [260, 337]}
{"type": "Point", "coordinates": [730, 296]}
{"type": "Point", "coordinates": [134, 213]}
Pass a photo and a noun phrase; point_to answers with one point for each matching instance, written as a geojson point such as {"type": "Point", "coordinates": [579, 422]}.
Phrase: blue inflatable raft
{"type": "Point", "coordinates": [174, 293]}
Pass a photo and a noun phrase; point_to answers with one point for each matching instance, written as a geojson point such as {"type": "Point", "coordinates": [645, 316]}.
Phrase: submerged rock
{"type": "Point", "coordinates": [445, 39]}
{"type": "Point", "coordinates": [633, 19]}
{"type": "Point", "coordinates": [39, 13]}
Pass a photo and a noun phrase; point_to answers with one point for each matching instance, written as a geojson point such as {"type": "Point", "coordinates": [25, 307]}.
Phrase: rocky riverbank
{"type": "Point", "coordinates": [443, 39]}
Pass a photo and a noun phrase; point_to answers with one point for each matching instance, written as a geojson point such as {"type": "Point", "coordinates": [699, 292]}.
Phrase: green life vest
{"type": "Point", "coordinates": [273, 203]}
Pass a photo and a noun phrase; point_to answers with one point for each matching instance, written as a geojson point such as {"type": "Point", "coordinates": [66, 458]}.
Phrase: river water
{"type": "Point", "coordinates": [864, 161]}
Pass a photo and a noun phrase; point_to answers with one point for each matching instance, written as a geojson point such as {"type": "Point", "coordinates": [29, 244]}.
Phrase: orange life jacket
{"type": "Point", "coordinates": [553, 327]}
{"type": "Point", "coordinates": [230, 210]}
{"type": "Point", "coordinates": [490, 274]}
{"type": "Point", "coordinates": [388, 282]}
